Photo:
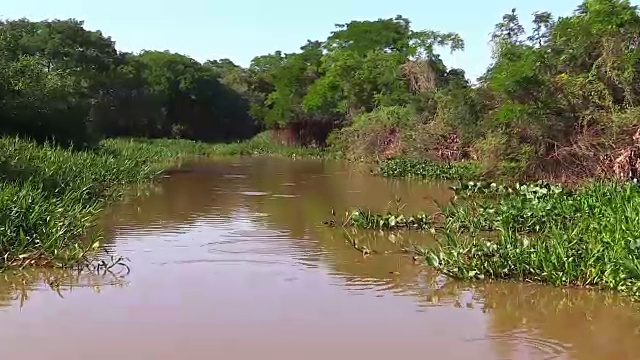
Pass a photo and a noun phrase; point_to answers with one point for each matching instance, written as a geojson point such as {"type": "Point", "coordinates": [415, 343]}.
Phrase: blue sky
{"type": "Point", "coordinates": [242, 29]}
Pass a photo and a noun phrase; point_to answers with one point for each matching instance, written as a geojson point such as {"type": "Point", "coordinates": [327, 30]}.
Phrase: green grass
{"type": "Point", "coordinates": [425, 169]}
{"type": "Point", "coordinates": [49, 197]}
{"type": "Point", "coordinates": [262, 144]}
{"type": "Point", "coordinates": [589, 237]}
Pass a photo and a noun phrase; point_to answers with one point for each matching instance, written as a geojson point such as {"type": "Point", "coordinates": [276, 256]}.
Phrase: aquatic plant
{"type": "Point", "coordinates": [521, 208]}
{"type": "Point", "coordinates": [538, 232]}
{"type": "Point", "coordinates": [426, 169]}
{"type": "Point", "coordinates": [587, 238]}
{"type": "Point", "coordinates": [485, 189]}
{"type": "Point", "coordinates": [49, 197]}
{"type": "Point", "coordinates": [390, 221]}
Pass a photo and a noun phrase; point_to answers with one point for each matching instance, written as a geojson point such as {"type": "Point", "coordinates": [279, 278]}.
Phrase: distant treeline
{"type": "Point", "coordinates": [59, 81]}
{"type": "Point", "coordinates": [562, 98]}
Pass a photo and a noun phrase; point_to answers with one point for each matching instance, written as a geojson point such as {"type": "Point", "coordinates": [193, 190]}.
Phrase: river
{"type": "Point", "coordinates": [229, 259]}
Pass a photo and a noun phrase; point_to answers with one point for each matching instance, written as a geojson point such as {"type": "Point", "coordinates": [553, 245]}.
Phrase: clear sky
{"type": "Point", "coordinates": [242, 29]}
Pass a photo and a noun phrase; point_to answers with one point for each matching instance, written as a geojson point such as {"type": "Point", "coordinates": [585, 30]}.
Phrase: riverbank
{"type": "Point", "coordinates": [543, 233]}
{"type": "Point", "coordinates": [580, 235]}
{"type": "Point", "coordinates": [49, 196]}
{"type": "Point", "coordinates": [264, 144]}
{"type": "Point", "coordinates": [577, 231]}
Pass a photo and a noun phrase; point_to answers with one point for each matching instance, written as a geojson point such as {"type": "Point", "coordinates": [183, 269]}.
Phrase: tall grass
{"type": "Point", "coordinates": [49, 197]}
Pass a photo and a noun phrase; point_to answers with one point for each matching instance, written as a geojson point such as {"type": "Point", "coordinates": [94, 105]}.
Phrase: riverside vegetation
{"type": "Point", "coordinates": [559, 103]}
{"type": "Point", "coordinates": [50, 196]}
{"type": "Point", "coordinates": [533, 232]}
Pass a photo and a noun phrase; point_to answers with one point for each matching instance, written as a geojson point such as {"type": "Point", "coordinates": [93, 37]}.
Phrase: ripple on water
{"type": "Point", "coordinates": [226, 261]}
{"type": "Point", "coordinates": [136, 230]}
{"type": "Point", "coordinates": [237, 240]}
{"type": "Point", "coordinates": [260, 242]}
{"type": "Point", "coordinates": [357, 285]}
{"type": "Point", "coordinates": [546, 348]}
{"type": "Point", "coordinates": [253, 193]}
{"type": "Point", "coordinates": [234, 176]}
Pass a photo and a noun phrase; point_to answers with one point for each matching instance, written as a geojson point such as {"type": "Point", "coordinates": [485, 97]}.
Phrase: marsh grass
{"type": "Point", "coordinates": [49, 197]}
{"type": "Point", "coordinates": [425, 169]}
{"type": "Point", "coordinates": [262, 144]}
{"type": "Point", "coordinates": [589, 237]}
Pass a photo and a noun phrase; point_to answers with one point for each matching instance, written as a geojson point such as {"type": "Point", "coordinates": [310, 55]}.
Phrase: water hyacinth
{"type": "Point", "coordinates": [426, 169]}
{"type": "Point", "coordinates": [589, 237]}
{"type": "Point", "coordinates": [391, 221]}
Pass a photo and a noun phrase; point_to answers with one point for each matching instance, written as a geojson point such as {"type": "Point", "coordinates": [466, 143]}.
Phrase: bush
{"type": "Point", "coordinates": [380, 134]}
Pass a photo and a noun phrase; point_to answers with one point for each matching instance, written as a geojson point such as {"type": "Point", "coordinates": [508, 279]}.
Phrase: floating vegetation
{"type": "Point", "coordinates": [392, 220]}
{"type": "Point", "coordinates": [364, 249]}
{"type": "Point", "coordinates": [488, 189]}
{"type": "Point", "coordinates": [520, 208]}
{"type": "Point", "coordinates": [426, 169]}
{"type": "Point", "coordinates": [367, 220]}
{"type": "Point", "coordinates": [590, 237]}
{"type": "Point", "coordinates": [538, 232]}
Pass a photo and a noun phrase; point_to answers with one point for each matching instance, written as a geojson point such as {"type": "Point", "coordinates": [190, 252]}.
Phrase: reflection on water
{"type": "Point", "coordinates": [16, 285]}
{"type": "Point", "coordinates": [232, 258]}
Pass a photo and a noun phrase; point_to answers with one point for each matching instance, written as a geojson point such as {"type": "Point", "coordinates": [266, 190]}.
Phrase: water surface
{"type": "Point", "coordinates": [230, 260]}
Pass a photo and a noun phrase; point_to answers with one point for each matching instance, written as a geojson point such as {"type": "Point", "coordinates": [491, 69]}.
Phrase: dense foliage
{"type": "Point", "coordinates": [536, 233]}
{"type": "Point", "coordinates": [559, 102]}
{"type": "Point", "coordinates": [61, 82]}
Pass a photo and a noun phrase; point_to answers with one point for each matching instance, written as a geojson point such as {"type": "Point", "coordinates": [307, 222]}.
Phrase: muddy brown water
{"type": "Point", "coordinates": [230, 260]}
